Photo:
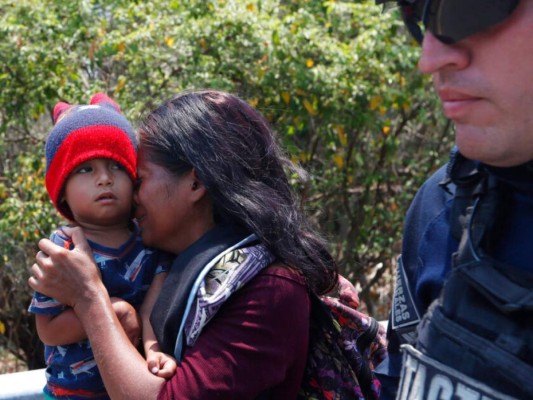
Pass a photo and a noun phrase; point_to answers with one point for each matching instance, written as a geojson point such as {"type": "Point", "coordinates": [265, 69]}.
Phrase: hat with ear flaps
{"type": "Point", "coordinates": [82, 133]}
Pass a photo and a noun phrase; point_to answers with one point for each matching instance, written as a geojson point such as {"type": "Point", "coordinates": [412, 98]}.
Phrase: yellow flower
{"type": "Point", "coordinates": [309, 107]}
{"type": "Point", "coordinates": [286, 97]}
{"type": "Point", "coordinates": [339, 160]}
{"type": "Point", "coordinates": [342, 135]}
{"type": "Point", "coordinates": [375, 102]}
{"type": "Point", "coordinates": [169, 41]}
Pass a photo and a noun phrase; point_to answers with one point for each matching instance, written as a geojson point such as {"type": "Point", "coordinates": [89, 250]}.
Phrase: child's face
{"type": "Point", "coordinates": [99, 192]}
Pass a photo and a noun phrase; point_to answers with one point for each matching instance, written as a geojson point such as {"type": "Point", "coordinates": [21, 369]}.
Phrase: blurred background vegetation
{"type": "Point", "coordinates": [336, 79]}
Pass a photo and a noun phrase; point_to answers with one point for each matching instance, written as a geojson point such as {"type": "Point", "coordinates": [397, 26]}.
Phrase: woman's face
{"type": "Point", "coordinates": [170, 214]}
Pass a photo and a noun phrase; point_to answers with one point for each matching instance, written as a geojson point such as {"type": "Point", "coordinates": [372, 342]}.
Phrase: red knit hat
{"type": "Point", "coordinates": [82, 133]}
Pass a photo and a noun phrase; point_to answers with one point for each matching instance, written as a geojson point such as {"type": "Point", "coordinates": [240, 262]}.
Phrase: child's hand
{"type": "Point", "coordinates": [129, 319]}
{"type": "Point", "coordinates": [161, 364]}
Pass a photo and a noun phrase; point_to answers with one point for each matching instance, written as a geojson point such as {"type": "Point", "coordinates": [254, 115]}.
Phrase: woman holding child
{"type": "Point", "coordinates": [234, 310]}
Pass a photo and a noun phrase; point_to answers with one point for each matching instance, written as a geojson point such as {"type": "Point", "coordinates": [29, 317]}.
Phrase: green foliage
{"type": "Point", "coordinates": [337, 80]}
{"type": "Point", "coordinates": [26, 216]}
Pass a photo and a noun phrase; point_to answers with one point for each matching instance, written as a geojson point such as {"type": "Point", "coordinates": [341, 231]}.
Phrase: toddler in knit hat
{"type": "Point", "coordinates": [91, 157]}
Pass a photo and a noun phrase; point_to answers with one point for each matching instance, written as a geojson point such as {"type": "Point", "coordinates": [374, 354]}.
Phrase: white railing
{"type": "Point", "coordinates": [26, 385]}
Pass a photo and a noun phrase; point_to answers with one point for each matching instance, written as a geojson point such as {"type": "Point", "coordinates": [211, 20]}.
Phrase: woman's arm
{"type": "Point", "coordinates": [72, 278]}
{"type": "Point", "coordinates": [159, 363]}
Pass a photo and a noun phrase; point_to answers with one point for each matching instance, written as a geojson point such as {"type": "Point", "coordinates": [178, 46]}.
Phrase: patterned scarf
{"type": "Point", "coordinates": [223, 278]}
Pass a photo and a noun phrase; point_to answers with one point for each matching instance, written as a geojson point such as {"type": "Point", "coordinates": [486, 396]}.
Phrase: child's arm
{"type": "Point", "coordinates": [159, 363]}
{"type": "Point", "coordinates": [60, 329]}
{"type": "Point", "coordinates": [65, 328]}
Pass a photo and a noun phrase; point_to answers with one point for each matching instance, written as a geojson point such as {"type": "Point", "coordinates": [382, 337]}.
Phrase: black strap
{"type": "Point", "coordinates": [475, 208]}
{"type": "Point", "coordinates": [479, 221]}
{"type": "Point", "coordinates": [469, 181]}
{"type": "Point", "coordinates": [170, 306]}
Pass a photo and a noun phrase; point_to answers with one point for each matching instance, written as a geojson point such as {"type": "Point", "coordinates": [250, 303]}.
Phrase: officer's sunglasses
{"type": "Point", "coordinates": [452, 20]}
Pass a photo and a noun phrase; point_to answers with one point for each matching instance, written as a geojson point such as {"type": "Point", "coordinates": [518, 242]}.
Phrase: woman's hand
{"type": "Point", "coordinates": [69, 276]}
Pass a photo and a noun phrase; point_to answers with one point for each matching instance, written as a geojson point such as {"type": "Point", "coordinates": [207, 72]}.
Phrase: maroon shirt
{"type": "Point", "coordinates": [256, 342]}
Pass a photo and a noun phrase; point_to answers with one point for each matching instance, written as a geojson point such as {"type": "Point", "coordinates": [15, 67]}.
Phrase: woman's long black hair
{"type": "Point", "coordinates": [237, 157]}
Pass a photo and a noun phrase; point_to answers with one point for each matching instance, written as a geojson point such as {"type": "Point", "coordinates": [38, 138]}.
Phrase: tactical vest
{"type": "Point", "coordinates": [476, 340]}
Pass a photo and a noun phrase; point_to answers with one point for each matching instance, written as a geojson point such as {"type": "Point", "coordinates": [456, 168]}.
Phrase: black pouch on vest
{"type": "Point", "coordinates": [486, 336]}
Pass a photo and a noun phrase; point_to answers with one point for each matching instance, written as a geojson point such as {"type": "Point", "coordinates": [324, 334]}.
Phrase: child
{"type": "Point", "coordinates": [90, 175]}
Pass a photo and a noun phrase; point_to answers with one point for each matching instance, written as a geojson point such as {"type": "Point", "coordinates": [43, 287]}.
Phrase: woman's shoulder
{"type": "Point", "coordinates": [283, 271]}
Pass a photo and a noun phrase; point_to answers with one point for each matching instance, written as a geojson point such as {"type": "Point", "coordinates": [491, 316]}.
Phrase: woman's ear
{"type": "Point", "coordinates": [198, 189]}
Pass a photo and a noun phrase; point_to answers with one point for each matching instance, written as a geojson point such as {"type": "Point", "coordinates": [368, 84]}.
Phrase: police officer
{"type": "Point", "coordinates": [461, 323]}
